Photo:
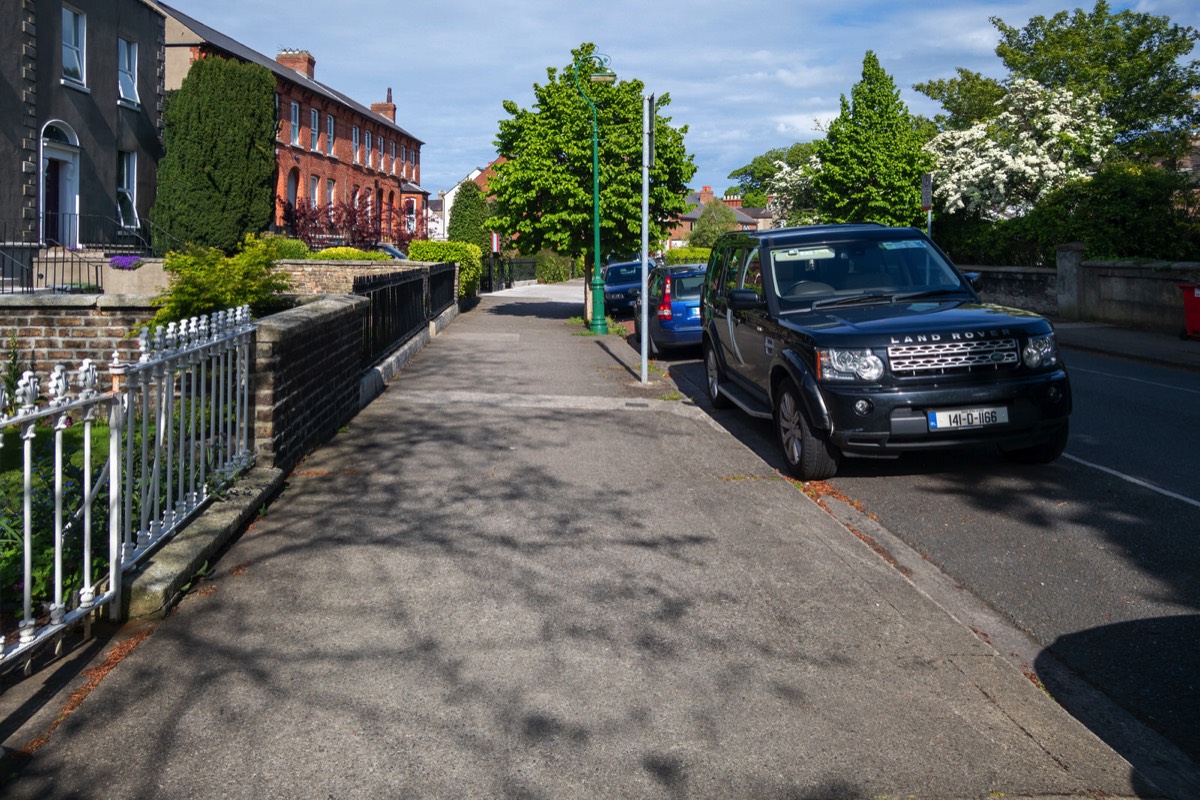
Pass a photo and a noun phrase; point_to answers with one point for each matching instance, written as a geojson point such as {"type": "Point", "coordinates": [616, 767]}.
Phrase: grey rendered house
{"type": "Point", "coordinates": [80, 121]}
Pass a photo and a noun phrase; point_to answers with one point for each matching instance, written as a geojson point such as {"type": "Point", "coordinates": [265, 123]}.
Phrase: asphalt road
{"type": "Point", "coordinates": [1094, 557]}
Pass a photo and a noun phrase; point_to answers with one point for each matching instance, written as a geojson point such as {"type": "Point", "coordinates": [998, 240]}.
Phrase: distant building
{"type": "Point", "coordinates": [329, 148]}
{"type": "Point", "coordinates": [80, 119]}
{"type": "Point", "coordinates": [748, 219]}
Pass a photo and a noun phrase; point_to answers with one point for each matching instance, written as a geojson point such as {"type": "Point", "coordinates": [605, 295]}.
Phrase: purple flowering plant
{"type": "Point", "coordinates": [125, 262]}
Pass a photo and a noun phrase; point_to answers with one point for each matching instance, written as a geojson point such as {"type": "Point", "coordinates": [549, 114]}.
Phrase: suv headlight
{"type": "Point", "coordinates": [1041, 351]}
{"type": "Point", "coordinates": [849, 365]}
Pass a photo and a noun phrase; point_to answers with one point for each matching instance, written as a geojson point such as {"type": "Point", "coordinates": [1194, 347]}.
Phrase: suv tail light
{"type": "Point", "coordinates": [664, 305]}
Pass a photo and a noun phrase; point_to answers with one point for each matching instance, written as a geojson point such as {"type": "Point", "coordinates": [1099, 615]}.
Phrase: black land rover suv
{"type": "Point", "coordinates": [865, 340]}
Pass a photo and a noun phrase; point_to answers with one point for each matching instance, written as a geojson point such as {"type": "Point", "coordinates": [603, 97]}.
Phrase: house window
{"type": "Point", "coordinates": [393, 158]}
{"type": "Point", "coordinates": [126, 183]}
{"type": "Point", "coordinates": [314, 191]}
{"type": "Point", "coordinates": [370, 152]}
{"type": "Point", "coordinates": [330, 195]}
{"type": "Point", "coordinates": [295, 122]}
{"type": "Point", "coordinates": [354, 143]}
{"type": "Point", "coordinates": [380, 153]}
{"type": "Point", "coordinates": [127, 70]}
{"type": "Point", "coordinates": [314, 127]}
{"type": "Point", "coordinates": [74, 39]}
{"type": "Point", "coordinates": [329, 138]}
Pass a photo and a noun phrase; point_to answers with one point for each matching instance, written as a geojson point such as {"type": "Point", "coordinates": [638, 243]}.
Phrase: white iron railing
{"type": "Point", "coordinates": [180, 427]}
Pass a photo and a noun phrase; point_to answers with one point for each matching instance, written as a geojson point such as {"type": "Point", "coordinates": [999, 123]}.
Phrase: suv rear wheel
{"type": "Point", "coordinates": [715, 377]}
{"type": "Point", "coordinates": [809, 457]}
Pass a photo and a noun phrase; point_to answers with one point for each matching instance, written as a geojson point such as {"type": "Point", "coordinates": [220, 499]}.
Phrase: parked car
{"type": "Point", "coordinates": [391, 250]}
{"type": "Point", "coordinates": [673, 305]}
{"type": "Point", "coordinates": [622, 283]}
{"type": "Point", "coordinates": [866, 340]}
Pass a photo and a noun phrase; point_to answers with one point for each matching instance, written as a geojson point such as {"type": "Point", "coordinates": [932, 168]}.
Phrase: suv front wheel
{"type": "Point", "coordinates": [809, 457]}
{"type": "Point", "coordinates": [714, 377]}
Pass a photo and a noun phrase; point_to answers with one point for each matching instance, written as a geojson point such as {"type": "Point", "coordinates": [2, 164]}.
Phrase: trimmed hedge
{"type": "Point", "coordinates": [687, 255]}
{"type": "Point", "coordinates": [468, 257]}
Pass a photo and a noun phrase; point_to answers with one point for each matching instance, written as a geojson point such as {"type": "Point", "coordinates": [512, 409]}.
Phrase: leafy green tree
{"type": "Point", "coordinates": [715, 218]}
{"type": "Point", "coordinates": [216, 181]}
{"type": "Point", "coordinates": [754, 179]}
{"type": "Point", "coordinates": [543, 192]}
{"type": "Point", "coordinates": [1135, 62]}
{"type": "Point", "coordinates": [872, 158]}
{"type": "Point", "coordinates": [468, 217]}
{"type": "Point", "coordinates": [967, 99]}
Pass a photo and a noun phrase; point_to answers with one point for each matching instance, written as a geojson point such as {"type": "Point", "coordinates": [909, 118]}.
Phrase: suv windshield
{"type": "Point", "coordinates": [833, 272]}
{"type": "Point", "coordinates": [623, 273]}
{"type": "Point", "coordinates": [687, 287]}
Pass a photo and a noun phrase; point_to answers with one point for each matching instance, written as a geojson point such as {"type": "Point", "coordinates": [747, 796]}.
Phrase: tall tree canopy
{"type": "Point", "coordinates": [1133, 61]}
{"type": "Point", "coordinates": [216, 180]}
{"type": "Point", "coordinates": [967, 99]}
{"type": "Point", "coordinates": [871, 159]}
{"type": "Point", "coordinates": [469, 216]}
{"type": "Point", "coordinates": [543, 191]}
{"type": "Point", "coordinates": [754, 179]}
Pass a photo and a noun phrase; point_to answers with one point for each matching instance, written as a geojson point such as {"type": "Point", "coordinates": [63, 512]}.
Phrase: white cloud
{"type": "Point", "coordinates": [744, 79]}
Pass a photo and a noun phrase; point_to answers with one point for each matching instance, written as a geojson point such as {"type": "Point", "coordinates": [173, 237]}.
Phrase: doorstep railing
{"type": "Point", "coordinates": [179, 429]}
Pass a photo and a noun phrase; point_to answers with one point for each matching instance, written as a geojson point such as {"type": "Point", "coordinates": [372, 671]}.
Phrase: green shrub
{"type": "Point", "coordinates": [687, 255]}
{"type": "Point", "coordinates": [349, 254]}
{"type": "Point", "coordinates": [552, 267]}
{"type": "Point", "coordinates": [468, 257]}
{"type": "Point", "coordinates": [204, 280]}
{"type": "Point", "coordinates": [288, 248]}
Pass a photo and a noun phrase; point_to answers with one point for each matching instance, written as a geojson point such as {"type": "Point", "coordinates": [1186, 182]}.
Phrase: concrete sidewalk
{"type": "Point", "coordinates": [521, 573]}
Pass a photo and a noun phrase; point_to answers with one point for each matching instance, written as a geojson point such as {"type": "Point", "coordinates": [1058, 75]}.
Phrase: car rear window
{"type": "Point", "coordinates": [687, 287]}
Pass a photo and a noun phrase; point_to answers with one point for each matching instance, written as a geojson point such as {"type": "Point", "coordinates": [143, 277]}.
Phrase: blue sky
{"type": "Point", "coordinates": [744, 78]}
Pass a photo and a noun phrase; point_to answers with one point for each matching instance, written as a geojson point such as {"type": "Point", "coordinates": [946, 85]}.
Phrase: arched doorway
{"type": "Point", "coordinates": [59, 181]}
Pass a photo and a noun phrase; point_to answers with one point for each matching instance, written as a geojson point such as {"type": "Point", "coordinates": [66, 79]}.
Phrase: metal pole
{"type": "Point", "coordinates": [599, 324]}
{"type": "Point", "coordinates": [646, 103]}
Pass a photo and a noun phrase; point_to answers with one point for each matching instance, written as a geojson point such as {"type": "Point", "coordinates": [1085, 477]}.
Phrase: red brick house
{"type": "Point", "coordinates": [329, 149]}
{"type": "Point", "coordinates": [747, 219]}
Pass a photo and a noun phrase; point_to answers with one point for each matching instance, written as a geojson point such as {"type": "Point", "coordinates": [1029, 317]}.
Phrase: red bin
{"type": "Point", "coordinates": [1191, 309]}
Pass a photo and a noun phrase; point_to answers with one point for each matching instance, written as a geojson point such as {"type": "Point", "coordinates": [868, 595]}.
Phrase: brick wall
{"type": "Point", "coordinates": [306, 377]}
{"type": "Point", "coordinates": [335, 277]}
{"type": "Point", "coordinates": [66, 329]}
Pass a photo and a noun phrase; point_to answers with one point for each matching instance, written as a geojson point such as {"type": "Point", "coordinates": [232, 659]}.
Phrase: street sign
{"type": "Point", "coordinates": [495, 242]}
{"type": "Point", "coordinates": [927, 191]}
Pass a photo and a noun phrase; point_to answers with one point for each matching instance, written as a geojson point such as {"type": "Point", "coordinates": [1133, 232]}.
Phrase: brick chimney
{"type": "Point", "coordinates": [706, 194]}
{"type": "Point", "coordinates": [386, 110]}
{"type": "Point", "coordinates": [301, 61]}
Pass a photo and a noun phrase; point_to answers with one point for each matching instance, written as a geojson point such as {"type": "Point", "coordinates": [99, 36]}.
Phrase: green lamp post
{"type": "Point", "coordinates": [599, 73]}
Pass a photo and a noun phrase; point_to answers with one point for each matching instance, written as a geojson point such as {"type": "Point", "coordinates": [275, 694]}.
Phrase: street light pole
{"type": "Point", "coordinates": [600, 73]}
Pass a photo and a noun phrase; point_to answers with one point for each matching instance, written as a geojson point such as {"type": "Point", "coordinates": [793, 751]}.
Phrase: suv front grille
{"type": "Point", "coordinates": [959, 357]}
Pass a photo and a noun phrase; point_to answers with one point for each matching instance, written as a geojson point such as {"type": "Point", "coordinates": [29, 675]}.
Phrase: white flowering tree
{"type": "Point", "coordinates": [1041, 140]}
{"type": "Point", "coordinates": [791, 192]}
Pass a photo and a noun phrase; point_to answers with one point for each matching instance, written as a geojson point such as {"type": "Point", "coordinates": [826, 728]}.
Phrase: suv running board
{"type": "Point", "coordinates": [745, 401]}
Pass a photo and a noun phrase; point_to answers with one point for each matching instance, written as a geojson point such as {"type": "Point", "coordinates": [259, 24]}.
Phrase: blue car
{"type": "Point", "coordinates": [622, 284]}
{"type": "Point", "coordinates": [673, 297]}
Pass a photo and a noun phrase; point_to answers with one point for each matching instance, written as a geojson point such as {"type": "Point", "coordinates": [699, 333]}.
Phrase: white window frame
{"type": "Point", "coordinates": [380, 148]}
{"type": "Point", "coordinates": [127, 71]}
{"type": "Point", "coordinates": [314, 190]}
{"type": "Point", "coordinates": [393, 158]}
{"type": "Point", "coordinates": [330, 194]}
{"type": "Point", "coordinates": [330, 128]}
{"type": "Point", "coordinates": [127, 186]}
{"type": "Point", "coordinates": [74, 50]}
{"type": "Point", "coordinates": [367, 147]}
{"type": "Point", "coordinates": [314, 127]}
{"type": "Point", "coordinates": [354, 144]}
{"type": "Point", "coordinates": [295, 123]}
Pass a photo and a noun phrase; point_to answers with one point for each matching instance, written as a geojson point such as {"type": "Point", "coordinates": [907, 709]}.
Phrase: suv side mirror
{"type": "Point", "coordinates": [744, 299]}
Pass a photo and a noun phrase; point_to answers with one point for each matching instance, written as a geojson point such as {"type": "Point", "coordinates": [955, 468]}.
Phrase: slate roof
{"type": "Point", "coordinates": [220, 41]}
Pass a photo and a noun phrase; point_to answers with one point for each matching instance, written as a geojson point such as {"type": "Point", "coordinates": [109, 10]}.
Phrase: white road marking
{"type": "Point", "coordinates": [1135, 481]}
